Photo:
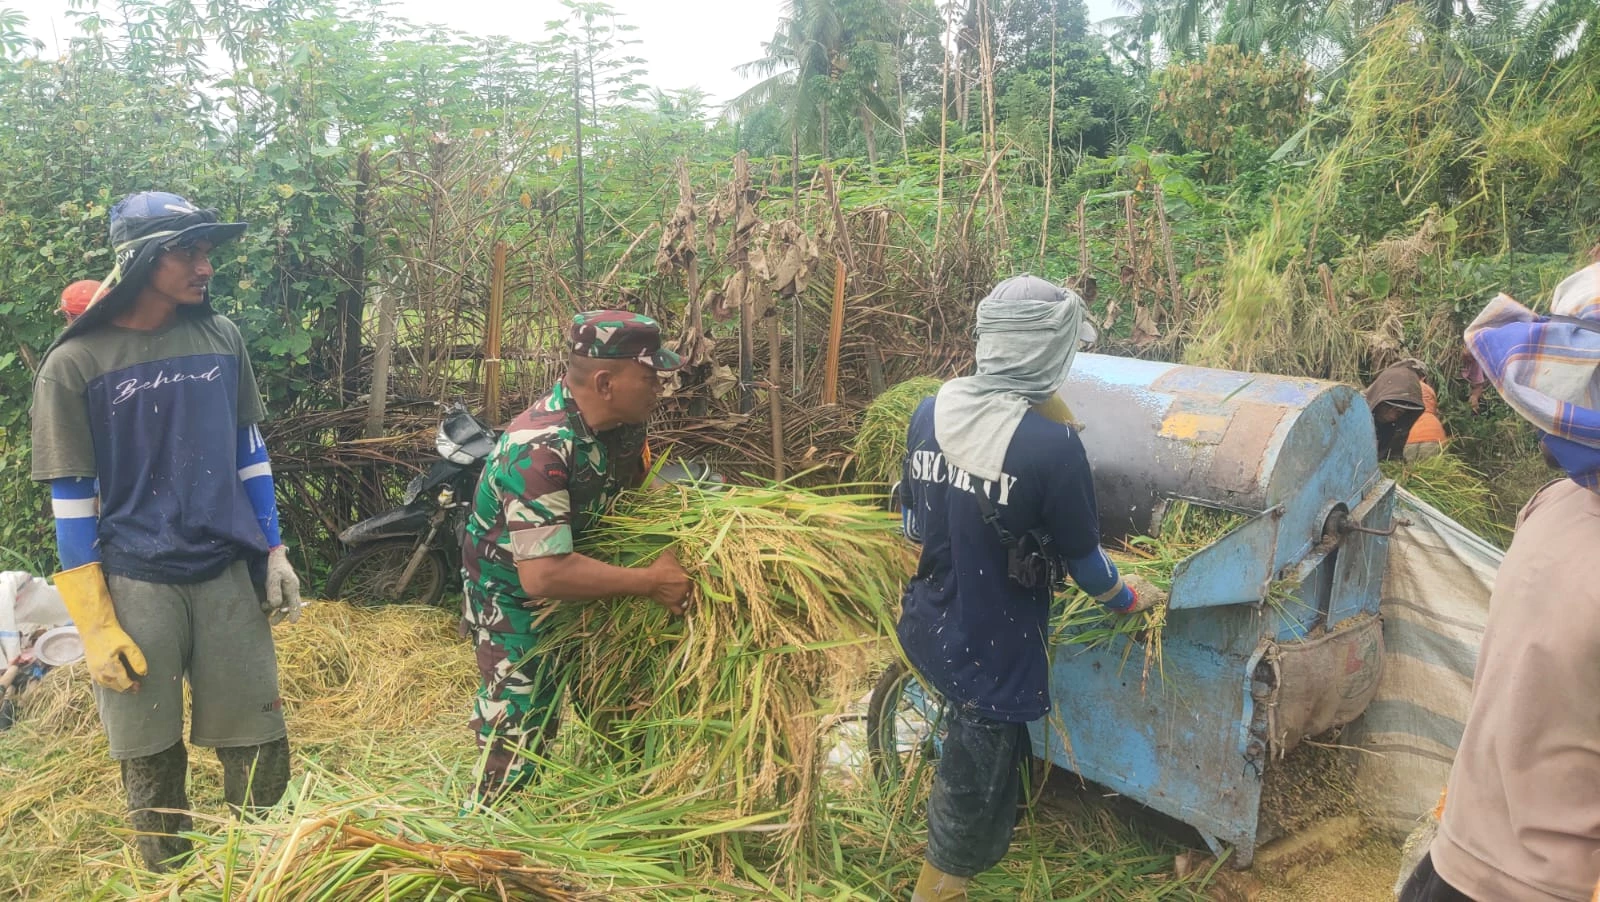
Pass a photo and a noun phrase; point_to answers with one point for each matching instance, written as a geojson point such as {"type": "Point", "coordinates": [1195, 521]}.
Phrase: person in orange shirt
{"type": "Point", "coordinates": [77, 297]}
{"type": "Point", "coordinates": [1426, 438]}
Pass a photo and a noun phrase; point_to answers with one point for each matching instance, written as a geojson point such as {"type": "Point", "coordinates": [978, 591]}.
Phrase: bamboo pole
{"type": "Point", "coordinates": [991, 128]}
{"type": "Point", "coordinates": [830, 372]}
{"type": "Point", "coordinates": [1083, 241]}
{"type": "Point", "coordinates": [774, 395]}
{"type": "Point", "coordinates": [577, 117]}
{"type": "Point", "coordinates": [491, 337]}
{"type": "Point", "coordinates": [1174, 286]}
{"type": "Point", "coordinates": [378, 400]}
{"type": "Point", "coordinates": [797, 341]}
{"type": "Point", "coordinates": [944, 124]}
{"type": "Point", "coordinates": [847, 264]}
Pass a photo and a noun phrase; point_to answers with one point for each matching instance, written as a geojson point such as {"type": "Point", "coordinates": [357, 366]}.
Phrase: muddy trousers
{"type": "Point", "coordinates": [253, 779]}
{"type": "Point", "coordinates": [973, 810]}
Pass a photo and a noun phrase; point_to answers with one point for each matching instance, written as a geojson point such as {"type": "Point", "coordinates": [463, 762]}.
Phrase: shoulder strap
{"type": "Point", "coordinates": [992, 517]}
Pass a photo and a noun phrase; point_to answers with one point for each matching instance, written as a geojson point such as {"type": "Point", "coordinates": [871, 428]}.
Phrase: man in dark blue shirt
{"type": "Point", "coordinates": [173, 567]}
{"type": "Point", "coordinates": [987, 479]}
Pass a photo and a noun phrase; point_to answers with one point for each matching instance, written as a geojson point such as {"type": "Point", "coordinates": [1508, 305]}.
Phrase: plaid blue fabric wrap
{"type": "Point", "coordinates": [1547, 367]}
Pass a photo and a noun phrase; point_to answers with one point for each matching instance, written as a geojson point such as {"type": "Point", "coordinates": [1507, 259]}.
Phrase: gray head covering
{"type": "Point", "coordinates": [1028, 333]}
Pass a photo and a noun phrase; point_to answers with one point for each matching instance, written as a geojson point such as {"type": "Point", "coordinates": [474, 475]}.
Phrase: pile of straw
{"type": "Point", "coordinates": [880, 443]}
{"type": "Point", "coordinates": [380, 693]}
{"type": "Point", "coordinates": [794, 598]}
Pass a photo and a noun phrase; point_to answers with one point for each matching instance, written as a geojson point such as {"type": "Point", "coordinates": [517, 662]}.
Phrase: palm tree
{"type": "Point", "coordinates": [825, 52]}
{"type": "Point", "coordinates": [1183, 28]}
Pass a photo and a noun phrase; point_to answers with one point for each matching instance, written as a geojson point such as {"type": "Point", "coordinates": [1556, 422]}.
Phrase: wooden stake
{"type": "Point", "coordinates": [847, 256]}
{"type": "Point", "coordinates": [740, 251]}
{"type": "Point", "coordinates": [830, 372]}
{"type": "Point", "coordinates": [774, 394]}
{"type": "Point", "coordinates": [491, 336]}
{"type": "Point", "coordinates": [1083, 240]}
{"type": "Point", "coordinates": [379, 398]}
{"type": "Point", "coordinates": [577, 117]}
{"type": "Point", "coordinates": [944, 124]}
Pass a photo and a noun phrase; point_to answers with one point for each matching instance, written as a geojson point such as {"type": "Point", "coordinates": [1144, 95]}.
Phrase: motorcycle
{"type": "Point", "coordinates": [412, 554]}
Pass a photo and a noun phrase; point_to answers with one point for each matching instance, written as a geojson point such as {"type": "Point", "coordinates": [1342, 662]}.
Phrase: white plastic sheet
{"type": "Point", "coordinates": [28, 604]}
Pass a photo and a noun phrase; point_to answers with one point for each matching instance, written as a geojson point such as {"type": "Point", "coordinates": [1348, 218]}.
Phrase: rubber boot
{"type": "Point", "coordinates": [254, 777]}
{"type": "Point", "coordinates": [158, 782]}
{"type": "Point", "coordinates": [934, 885]}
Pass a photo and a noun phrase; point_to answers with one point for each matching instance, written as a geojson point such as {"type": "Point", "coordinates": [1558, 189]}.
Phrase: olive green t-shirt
{"type": "Point", "coordinates": [155, 417]}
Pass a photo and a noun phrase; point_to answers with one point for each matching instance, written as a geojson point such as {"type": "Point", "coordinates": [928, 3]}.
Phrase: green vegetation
{"type": "Point", "coordinates": [881, 438]}
{"type": "Point", "coordinates": [1300, 188]}
{"type": "Point", "coordinates": [1308, 189]}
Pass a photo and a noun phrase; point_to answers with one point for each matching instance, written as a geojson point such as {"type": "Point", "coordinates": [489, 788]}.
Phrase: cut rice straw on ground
{"type": "Point", "coordinates": [380, 693]}
{"type": "Point", "coordinates": [376, 704]}
{"type": "Point", "coordinates": [881, 441]}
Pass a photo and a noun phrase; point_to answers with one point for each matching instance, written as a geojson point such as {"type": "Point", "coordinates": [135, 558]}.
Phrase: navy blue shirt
{"type": "Point", "coordinates": [155, 416]}
{"type": "Point", "coordinates": [976, 635]}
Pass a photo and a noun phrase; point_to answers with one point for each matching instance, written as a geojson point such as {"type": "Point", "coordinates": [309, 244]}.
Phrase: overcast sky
{"type": "Point", "coordinates": [685, 42]}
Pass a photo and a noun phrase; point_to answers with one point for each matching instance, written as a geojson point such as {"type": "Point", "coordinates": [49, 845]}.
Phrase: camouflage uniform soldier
{"type": "Point", "coordinates": [558, 467]}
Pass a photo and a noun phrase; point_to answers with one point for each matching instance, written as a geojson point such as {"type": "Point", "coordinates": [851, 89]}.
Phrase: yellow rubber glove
{"type": "Point", "coordinates": [115, 662]}
{"type": "Point", "coordinates": [1057, 410]}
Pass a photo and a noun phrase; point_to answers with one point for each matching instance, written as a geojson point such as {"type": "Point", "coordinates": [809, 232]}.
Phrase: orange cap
{"type": "Point", "coordinates": [78, 296]}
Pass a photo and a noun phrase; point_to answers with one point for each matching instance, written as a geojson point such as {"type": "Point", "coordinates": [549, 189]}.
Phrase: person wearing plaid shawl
{"type": "Point", "coordinates": [1522, 820]}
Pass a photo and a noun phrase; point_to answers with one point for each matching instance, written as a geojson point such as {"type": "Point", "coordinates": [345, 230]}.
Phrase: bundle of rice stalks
{"type": "Point", "coordinates": [794, 597]}
{"type": "Point", "coordinates": [330, 859]}
{"type": "Point", "coordinates": [1458, 491]}
{"type": "Point", "coordinates": [580, 833]}
{"type": "Point", "coordinates": [881, 441]}
{"type": "Point", "coordinates": [1185, 529]}
{"type": "Point", "coordinates": [589, 833]}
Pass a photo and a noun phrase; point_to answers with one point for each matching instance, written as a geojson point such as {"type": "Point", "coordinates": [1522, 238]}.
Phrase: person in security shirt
{"type": "Point", "coordinates": [986, 463]}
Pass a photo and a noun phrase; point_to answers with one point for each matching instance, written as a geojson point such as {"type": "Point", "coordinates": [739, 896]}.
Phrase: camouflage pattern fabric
{"type": "Point", "coordinates": [515, 709]}
{"type": "Point", "coordinates": [620, 335]}
{"type": "Point", "coordinates": [548, 479]}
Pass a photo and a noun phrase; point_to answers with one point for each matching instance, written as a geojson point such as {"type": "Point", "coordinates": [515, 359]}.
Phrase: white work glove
{"type": "Point", "coordinates": [1145, 594]}
{"type": "Point", "coordinates": [283, 588]}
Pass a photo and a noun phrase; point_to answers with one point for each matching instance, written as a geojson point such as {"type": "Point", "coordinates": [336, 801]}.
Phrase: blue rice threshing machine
{"type": "Point", "coordinates": [1272, 631]}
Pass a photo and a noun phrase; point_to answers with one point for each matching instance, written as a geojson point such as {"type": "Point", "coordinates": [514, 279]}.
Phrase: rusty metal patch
{"type": "Point", "coordinates": [1241, 457]}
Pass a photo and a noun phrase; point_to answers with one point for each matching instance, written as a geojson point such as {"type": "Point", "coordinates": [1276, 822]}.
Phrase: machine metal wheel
{"type": "Point", "coordinates": [369, 576]}
{"type": "Point", "coordinates": [905, 723]}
